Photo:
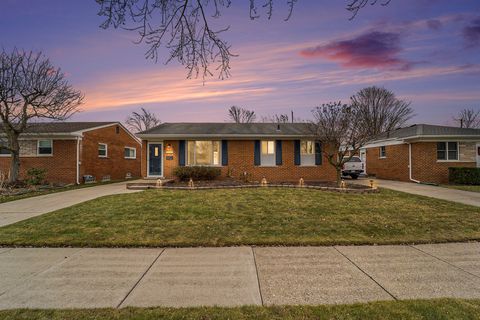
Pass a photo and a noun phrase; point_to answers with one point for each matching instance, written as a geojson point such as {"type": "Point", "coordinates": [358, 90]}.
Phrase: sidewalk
{"type": "Point", "coordinates": [95, 278]}
{"type": "Point", "coordinates": [465, 197]}
{"type": "Point", "coordinates": [14, 211]}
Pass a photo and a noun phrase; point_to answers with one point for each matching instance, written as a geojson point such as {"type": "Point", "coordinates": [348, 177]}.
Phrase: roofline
{"type": "Point", "coordinates": [425, 138]}
{"type": "Point", "coordinates": [209, 135]}
{"type": "Point", "coordinates": [78, 133]}
{"type": "Point", "coordinates": [51, 134]}
{"type": "Point", "coordinates": [109, 125]}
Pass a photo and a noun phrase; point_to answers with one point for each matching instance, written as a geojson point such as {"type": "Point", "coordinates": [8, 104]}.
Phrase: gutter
{"type": "Point", "coordinates": [78, 160]}
{"type": "Point", "coordinates": [410, 163]}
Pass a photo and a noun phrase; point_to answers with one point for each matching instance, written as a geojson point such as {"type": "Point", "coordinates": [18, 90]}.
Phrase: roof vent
{"type": "Point", "coordinates": [278, 127]}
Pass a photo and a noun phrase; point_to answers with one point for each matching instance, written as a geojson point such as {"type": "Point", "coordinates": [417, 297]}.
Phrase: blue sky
{"type": "Point", "coordinates": [427, 52]}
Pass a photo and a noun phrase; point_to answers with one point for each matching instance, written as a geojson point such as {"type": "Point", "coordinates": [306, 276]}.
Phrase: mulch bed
{"type": "Point", "coordinates": [233, 184]}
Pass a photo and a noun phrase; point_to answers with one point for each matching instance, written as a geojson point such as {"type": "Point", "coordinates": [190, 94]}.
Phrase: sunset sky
{"type": "Point", "coordinates": [426, 51]}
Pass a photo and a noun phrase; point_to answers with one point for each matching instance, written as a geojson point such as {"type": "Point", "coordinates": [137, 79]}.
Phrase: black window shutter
{"type": "Point", "coordinates": [181, 153]}
{"type": "Point", "coordinates": [296, 152]}
{"type": "Point", "coordinates": [278, 153]}
{"type": "Point", "coordinates": [256, 155]}
{"type": "Point", "coordinates": [224, 152]}
{"type": "Point", "coordinates": [318, 153]}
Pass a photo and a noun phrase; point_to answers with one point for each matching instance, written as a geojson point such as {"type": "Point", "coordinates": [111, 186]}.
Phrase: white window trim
{"type": "Point", "coordinates": [446, 152]}
{"type": "Point", "coordinates": [195, 157]}
{"type": "Point", "coordinates": [45, 154]}
{"type": "Point", "coordinates": [134, 152]}
{"type": "Point", "coordinates": [380, 152]}
{"type": "Point", "coordinates": [274, 155]}
{"type": "Point", "coordinates": [106, 150]}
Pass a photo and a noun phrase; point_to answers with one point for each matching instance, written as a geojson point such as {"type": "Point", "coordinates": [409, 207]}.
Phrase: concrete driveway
{"type": "Point", "coordinates": [465, 197]}
{"type": "Point", "coordinates": [184, 277]}
{"type": "Point", "coordinates": [14, 211]}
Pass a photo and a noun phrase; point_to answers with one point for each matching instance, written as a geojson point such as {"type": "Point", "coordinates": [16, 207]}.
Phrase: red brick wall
{"type": "Point", "coordinates": [425, 166]}
{"type": "Point", "coordinates": [115, 165]}
{"type": "Point", "coordinates": [240, 159]}
{"type": "Point", "coordinates": [60, 166]}
{"type": "Point", "coordinates": [393, 167]}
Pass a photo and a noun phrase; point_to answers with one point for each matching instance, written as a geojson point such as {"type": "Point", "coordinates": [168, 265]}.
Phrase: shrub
{"type": "Point", "coordinates": [35, 176]}
{"type": "Point", "coordinates": [463, 175]}
{"type": "Point", "coordinates": [197, 173]}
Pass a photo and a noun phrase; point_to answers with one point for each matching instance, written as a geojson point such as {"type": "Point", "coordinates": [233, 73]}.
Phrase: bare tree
{"type": "Point", "coordinates": [355, 5]}
{"type": "Point", "coordinates": [241, 115]}
{"type": "Point", "coordinates": [141, 121]}
{"type": "Point", "coordinates": [183, 27]}
{"type": "Point", "coordinates": [379, 110]}
{"type": "Point", "coordinates": [339, 128]}
{"type": "Point", "coordinates": [31, 88]}
{"type": "Point", "coordinates": [468, 118]}
{"type": "Point", "coordinates": [278, 118]}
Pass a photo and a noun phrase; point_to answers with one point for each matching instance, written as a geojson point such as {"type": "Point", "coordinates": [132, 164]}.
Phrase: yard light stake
{"type": "Point", "coordinates": [343, 185]}
{"type": "Point", "coordinates": [264, 182]}
{"type": "Point", "coordinates": [190, 183]}
{"type": "Point", "coordinates": [301, 182]}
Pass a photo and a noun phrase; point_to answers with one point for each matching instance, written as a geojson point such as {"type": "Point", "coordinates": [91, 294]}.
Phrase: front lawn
{"type": "Point", "coordinates": [441, 309]}
{"type": "Point", "coordinates": [463, 187]}
{"type": "Point", "coordinates": [271, 216]}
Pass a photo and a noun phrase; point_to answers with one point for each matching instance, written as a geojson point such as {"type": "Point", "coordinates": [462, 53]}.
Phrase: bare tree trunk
{"type": "Point", "coordinates": [15, 162]}
{"type": "Point", "coordinates": [339, 176]}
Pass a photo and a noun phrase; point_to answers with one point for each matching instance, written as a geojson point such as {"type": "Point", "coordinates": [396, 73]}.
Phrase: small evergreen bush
{"type": "Point", "coordinates": [463, 175]}
{"type": "Point", "coordinates": [197, 173]}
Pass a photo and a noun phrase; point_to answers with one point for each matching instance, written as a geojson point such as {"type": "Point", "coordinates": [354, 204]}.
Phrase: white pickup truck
{"type": "Point", "coordinates": [353, 168]}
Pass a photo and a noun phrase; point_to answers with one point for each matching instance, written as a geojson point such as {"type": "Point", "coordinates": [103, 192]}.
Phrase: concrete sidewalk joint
{"type": "Point", "coordinates": [140, 279]}
{"type": "Point", "coordinates": [368, 275]}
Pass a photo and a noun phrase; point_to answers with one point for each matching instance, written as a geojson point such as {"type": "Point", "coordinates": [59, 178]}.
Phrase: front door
{"type": "Point", "coordinates": [155, 155]}
{"type": "Point", "coordinates": [477, 149]}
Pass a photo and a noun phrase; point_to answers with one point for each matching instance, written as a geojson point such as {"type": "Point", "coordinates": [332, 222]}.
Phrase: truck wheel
{"type": "Point", "coordinates": [354, 176]}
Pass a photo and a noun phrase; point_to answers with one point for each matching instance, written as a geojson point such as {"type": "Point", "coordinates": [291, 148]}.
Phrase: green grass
{"type": "Point", "coordinates": [8, 198]}
{"type": "Point", "coordinates": [273, 216]}
{"type": "Point", "coordinates": [440, 309]}
{"type": "Point", "coordinates": [463, 187]}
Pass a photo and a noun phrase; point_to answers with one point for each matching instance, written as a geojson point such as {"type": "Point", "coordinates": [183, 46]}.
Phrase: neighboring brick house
{"type": "Point", "coordinates": [70, 150]}
{"type": "Point", "coordinates": [422, 153]}
{"type": "Point", "coordinates": [278, 152]}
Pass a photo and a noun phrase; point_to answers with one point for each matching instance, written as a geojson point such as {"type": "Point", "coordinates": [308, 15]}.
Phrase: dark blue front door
{"type": "Point", "coordinates": [155, 159]}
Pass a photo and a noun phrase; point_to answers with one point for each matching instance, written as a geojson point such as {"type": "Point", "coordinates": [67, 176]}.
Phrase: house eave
{"type": "Point", "coordinates": [221, 136]}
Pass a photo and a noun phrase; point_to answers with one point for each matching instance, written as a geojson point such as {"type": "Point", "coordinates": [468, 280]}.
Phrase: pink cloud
{"type": "Point", "coordinates": [369, 50]}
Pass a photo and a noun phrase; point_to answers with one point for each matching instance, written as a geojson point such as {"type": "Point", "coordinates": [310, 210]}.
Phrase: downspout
{"type": "Point", "coordinates": [410, 163]}
{"type": "Point", "coordinates": [78, 160]}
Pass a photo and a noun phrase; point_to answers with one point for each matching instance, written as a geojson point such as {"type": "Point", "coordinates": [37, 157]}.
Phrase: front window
{"type": "Point", "coordinates": [447, 151]}
{"type": "Point", "coordinates": [268, 153]}
{"type": "Point", "coordinates": [307, 153]}
{"type": "Point", "coordinates": [383, 152]}
{"type": "Point", "coordinates": [130, 153]}
{"type": "Point", "coordinates": [203, 153]}
{"type": "Point", "coordinates": [44, 147]}
{"type": "Point", "coordinates": [102, 150]}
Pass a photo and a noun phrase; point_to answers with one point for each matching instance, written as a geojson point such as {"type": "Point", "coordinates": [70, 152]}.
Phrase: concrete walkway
{"type": "Point", "coordinates": [465, 197]}
{"type": "Point", "coordinates": [14, 211]}
{"type": "Point", "coordinates": [92, 278]}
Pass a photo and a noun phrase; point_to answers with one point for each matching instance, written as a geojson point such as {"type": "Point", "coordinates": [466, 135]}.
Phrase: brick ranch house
{"type": "Point", "coordinates": [422, 153]}
{"type": "Point", "coordinates": [70, 150]}
{"type": "Point", "coordinates": [283, 152]}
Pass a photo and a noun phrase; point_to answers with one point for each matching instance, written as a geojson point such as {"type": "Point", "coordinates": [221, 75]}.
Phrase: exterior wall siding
{"type": "Point", "coordinates": [60, 167]}
{"type": "Point", "coordinates": [241, 160]}
{"type": "Point", "coordinates": [114, 165]}
{"type": "Point", "coordinates": [425, 166]}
